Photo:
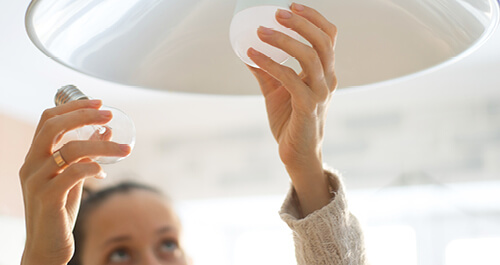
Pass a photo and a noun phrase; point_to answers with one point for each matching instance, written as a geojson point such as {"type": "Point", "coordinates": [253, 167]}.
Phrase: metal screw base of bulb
{"type": "Point", "coordinates": [68, 93]}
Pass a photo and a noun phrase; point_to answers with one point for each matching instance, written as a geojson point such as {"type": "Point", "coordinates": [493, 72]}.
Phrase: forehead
{"type": "Point", "coordinates": [134, 213]}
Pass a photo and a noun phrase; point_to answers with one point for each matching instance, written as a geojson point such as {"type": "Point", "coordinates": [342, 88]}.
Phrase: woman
{"type": "Point", "coordinates": [136, 225]}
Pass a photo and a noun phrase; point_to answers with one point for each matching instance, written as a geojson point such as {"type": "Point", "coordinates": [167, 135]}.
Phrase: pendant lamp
{"type": "Point", "coordinates": [184, 45]}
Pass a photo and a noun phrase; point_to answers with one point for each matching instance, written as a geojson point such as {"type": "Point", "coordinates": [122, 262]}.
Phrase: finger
{"type": "Point", "coordinates": [65, 108]}
{"type": "Point", "coordinates": [54, 127]}
{"type": "Point", "coordinates": [75, 151]}
{"type": "Point", "coordinates": [78, 152]}
{"type": "Point", "coordinates": [287, 76]}
{"type": "Point", "coordinates": [74, 197]}
{"type": "Point", "coordinates": [49, 171]}
{"type": "Point", "coordinates": [267, 82]}
{"type": "Point", "coordinates": [317, 19]}
{"type": "Point", "coordinates": [104, 133]}
{"type": "Point", "coordinates": [306, 56]}
{"type": "Point", "coordinates": [320, 40]}
{"type": "Point", "coordinates": [63, 183]}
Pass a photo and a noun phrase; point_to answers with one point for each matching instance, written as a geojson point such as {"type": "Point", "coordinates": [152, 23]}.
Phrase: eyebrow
{"type": "Point", "coordinates": [161, 230]}
{"type": "Point", "coordinates": [116, 240]}
{"type": "Point", "coordinates": [165, 229]}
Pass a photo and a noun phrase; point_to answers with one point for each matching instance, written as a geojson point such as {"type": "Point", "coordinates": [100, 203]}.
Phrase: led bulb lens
{"type": "Point", "coordinates": [120, 129]}
{"type": "Point", "coordinates": [243, 33]}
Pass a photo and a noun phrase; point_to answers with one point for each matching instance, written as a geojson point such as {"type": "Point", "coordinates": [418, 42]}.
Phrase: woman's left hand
{"type": "Point", "coordinates": [297, 104]}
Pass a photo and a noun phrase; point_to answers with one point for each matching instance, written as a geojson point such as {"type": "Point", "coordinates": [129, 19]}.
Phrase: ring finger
{"type": "Point", "coordinates": [305, 55]}
{"type": "Point", "coordinates": [74, 151]}
{"type": "Point", "coordinates": [56, 126]}
{"type": "Point", "coordinates": [316, 30]}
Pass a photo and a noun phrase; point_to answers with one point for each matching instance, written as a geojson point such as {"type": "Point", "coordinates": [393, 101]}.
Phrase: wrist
{"type": "Point", "coordinates": [35, 256]}
{"type": "Point", "coordinates": [308, 167]}
{"type": "Point", "coordinates": [312, 187]}
{"type": "Point", "coordinates": [309, 181]}
{"type": "Point", "coordinates": [34, 260]}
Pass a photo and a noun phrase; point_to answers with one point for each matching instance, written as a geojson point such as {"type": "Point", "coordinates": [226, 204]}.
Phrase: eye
{"type": "Point", "coordinates": [168, 246]}
{"type": "Point", "coordinates": [119, 256]}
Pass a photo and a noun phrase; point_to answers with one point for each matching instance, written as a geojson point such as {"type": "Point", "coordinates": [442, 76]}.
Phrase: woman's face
{"type": "Point", "coordinates": [138, 227]}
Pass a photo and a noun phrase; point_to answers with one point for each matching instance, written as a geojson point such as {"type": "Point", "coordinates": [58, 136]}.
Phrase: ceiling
{"type": "Point", "coordinates": [216, 145]}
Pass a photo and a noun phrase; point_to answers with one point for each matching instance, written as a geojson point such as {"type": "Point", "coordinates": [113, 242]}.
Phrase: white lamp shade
{"type": "Point", "coordinates": [183, 45]}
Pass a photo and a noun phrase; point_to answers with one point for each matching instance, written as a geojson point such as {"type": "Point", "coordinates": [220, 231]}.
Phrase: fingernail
{"type": "Point", "coordinates": [125, 148]}
{"type": "Point", "coordinates": [265, 31]}
{"type": "Point", "coordinates": [95, 102]}
{"type": "Point", "coordinates": [101, 175]}
{"type": "Point", "coordinates": [297, 7]}
{"type": "Point", "coordinates": [252, 51]}
{"type": "Point", "coordinates": [284, 13]}
{"type": "Point", "coordinates": [105, 113]}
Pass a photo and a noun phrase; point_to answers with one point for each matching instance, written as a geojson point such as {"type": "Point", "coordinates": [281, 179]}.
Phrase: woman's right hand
{"type": "Point", "coordinates": [51, 193]}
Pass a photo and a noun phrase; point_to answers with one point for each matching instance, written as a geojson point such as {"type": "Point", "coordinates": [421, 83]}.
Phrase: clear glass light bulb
{"type": "Point", "coordinates": [248, 16]}
{"type": "Point", "coordinates": [120, 129]}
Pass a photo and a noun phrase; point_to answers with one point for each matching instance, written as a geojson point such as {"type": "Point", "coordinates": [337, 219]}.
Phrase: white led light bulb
{"type": "Point", "coordinates": [120, 129]}
{"type": "Point", "coordinates": [248, 16]}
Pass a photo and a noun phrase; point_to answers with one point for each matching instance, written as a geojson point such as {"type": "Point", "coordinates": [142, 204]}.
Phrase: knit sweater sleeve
{"type": "Point", "coordinates": [328, 236]}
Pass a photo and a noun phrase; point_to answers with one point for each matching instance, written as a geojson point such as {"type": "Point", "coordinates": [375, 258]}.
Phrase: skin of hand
{"type": "Point", "coordinates": [297, 104]}
{"type": "Point", "coordinates": [52, 194]}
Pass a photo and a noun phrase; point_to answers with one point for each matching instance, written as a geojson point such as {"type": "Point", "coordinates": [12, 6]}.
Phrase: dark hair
{"type": "Point", "coordinates": [91, 200]}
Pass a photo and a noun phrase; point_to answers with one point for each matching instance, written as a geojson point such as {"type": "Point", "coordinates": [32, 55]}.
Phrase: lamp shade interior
{"type": "Point", "coordinates": [183, 45]}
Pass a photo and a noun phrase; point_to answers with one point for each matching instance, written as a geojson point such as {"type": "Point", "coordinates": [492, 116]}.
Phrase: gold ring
{"type": "Point", "coordinates": [59, 159]}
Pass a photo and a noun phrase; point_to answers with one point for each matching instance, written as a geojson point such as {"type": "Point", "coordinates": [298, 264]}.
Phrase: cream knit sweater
{"type": "Point", "coordinates": [329, 236]}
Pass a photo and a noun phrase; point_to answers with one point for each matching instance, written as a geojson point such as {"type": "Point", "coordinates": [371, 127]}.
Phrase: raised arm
{"type": "Point", "coordinates": [52, 180]}
{"type": "Point", "coordinates": [297, 104]}
{"type": "Point", "coordinates": [325, 232]}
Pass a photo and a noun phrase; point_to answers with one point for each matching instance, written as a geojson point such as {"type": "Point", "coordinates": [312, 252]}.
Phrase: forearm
{"type": "Point", "coordinates": [311, 186]}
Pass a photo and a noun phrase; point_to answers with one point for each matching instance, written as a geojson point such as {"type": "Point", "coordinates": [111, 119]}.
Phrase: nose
{"type": "Point", "coordinates": [150, 258]}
